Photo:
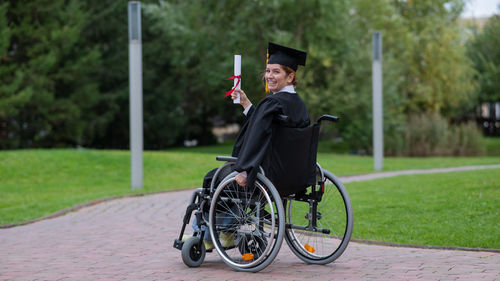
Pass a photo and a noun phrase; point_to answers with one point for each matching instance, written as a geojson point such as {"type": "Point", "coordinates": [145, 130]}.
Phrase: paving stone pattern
{"type": "Point", "coordinates": [132, 238]}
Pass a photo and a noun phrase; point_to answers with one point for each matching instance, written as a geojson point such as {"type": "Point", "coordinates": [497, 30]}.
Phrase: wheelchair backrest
{"type": "Point", "coordinates": [290, 162]}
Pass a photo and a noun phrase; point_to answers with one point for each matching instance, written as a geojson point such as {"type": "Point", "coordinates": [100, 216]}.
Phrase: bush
{"type": "Point", "coordinates": [467, 140]}
{"type": "Point", "coordinates": [432, 135]}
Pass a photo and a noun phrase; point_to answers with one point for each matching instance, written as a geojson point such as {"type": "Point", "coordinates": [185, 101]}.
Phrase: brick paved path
{"type": "Point", "coordinates": [131, 239]}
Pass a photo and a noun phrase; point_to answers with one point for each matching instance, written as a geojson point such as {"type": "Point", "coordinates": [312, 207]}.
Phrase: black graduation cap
{"type": "Point", "coordinates": [286, 56]}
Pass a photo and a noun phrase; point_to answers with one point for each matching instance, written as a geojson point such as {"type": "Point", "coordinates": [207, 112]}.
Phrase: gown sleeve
{"type": "Point", "coordinates": [241, 135]}
{"type": "Point", "coordinates": [257, 138]}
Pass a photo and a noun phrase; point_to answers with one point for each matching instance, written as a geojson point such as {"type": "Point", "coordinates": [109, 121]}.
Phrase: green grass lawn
{"type": "Point", "coordinates": [35, 183]}
{"type": "Point", "coordinates": [492, 145]}
{"type": "Point", "coordinates": [450, 209]}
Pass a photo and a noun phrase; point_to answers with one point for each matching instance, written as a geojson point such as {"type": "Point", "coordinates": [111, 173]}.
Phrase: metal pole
{"type": "Point", "coordinates": [378, 133]}
{"type": "Point", "coordinates": [135, 76]}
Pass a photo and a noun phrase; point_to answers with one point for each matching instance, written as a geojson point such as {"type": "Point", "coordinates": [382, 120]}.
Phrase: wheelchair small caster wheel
{"type": "Point", "coordinates": [193, 253]}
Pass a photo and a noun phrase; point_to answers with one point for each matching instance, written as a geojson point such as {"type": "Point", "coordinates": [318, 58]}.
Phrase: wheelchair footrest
{"type": "Point", "coordinates": [178, 244]}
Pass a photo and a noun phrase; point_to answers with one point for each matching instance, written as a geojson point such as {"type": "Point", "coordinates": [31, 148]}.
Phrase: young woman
{"type": "Point", "coordinates": [255, 135]}
{"type": "Point", "coordinates": [254, 138]}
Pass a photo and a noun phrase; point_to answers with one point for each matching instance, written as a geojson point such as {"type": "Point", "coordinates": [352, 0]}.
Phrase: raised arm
{"type": "Point", "coordinates": [244, 101]}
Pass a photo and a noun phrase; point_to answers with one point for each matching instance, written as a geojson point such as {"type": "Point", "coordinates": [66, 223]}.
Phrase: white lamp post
{"type": "Point", "coordinates": [378, 133]}
{"type": "Point", "coordinates": [135, 76]}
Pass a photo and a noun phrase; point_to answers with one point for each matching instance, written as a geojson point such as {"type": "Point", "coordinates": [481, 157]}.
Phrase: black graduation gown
{"type": "Point", "coordinates": [256, 133]}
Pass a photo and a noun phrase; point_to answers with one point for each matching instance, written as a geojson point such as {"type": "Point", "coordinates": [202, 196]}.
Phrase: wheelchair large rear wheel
{"type": "Point", "coordinates": [319, 222]}
{"type": "Point", "coordinates": [247, 223]}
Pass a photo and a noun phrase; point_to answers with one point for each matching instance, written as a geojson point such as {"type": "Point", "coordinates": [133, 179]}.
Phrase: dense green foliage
{"type": "Point", "coordinates": [47, 92]}
{"type": "Point", "coordinates": [485, 54]}
{"type": "Point", "coordinates": [64, 67]}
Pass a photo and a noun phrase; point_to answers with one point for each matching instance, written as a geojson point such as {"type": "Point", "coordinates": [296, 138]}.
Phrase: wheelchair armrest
{"type": "Point", "coordinates": [226, 158]}
{"type": "Point", "coordinates": [328, 118]}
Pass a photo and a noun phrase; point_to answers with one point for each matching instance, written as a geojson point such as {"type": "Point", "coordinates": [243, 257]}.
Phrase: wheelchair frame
{"type": "Point", "coordinates": [316, 231]}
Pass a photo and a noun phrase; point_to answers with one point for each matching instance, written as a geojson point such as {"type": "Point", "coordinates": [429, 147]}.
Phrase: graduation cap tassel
{"type": "Point", "coordinates": [267, 60]}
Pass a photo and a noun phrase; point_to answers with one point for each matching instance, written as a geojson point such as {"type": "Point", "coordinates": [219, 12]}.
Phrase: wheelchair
{"type": "Point", "coordinates": [293, 199]}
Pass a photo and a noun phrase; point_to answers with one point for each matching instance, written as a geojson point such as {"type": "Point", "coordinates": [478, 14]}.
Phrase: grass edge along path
{"type": "Point", "coordinates": [451, 210]}
{"type": "Point", "coordinates": [372, 176]}
{"type": "Point", "coordinates": [36, 183]}
{"type": "Point", "coordinates": [84, 205]}
{"type": "Point", "coordinates": [344, 179]}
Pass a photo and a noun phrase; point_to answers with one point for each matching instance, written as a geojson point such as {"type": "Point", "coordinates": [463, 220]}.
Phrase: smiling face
{"type": "Point", "coordinates": [277, 78]}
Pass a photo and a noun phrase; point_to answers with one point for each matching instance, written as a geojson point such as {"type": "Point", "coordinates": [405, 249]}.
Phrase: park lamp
{"type": "Point", "coordinates": [135, 77]}
{"type": "Point", "coordinates": [378, 127]}
{"type": "Point", "coordinates": [134, 22]}
{"type": "Point", "coordinates": [377, 46]}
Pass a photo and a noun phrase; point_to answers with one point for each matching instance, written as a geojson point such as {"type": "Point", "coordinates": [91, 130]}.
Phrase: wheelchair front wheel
{"type": "Point", "coordinates": [247, 223]}
{"type": "Point", "coordinates": [319, 222]}
{"type": "Point", "coordinates": [193, 252]}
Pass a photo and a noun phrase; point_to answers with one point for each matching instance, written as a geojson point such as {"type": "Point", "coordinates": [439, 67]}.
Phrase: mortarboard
{"type": "Point", "coordinates": [286, 56]}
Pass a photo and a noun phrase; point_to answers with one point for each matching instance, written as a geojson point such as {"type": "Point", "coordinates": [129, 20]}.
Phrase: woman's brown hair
{"type": "Point", "coordinates": [288, 70]}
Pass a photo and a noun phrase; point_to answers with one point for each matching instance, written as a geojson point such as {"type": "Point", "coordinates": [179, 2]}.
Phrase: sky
{"type": "Point", "coordinates": [480, 8]}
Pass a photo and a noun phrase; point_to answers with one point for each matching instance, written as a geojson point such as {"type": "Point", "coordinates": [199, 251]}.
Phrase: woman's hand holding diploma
{"type": "Point", "coordinates": [244, 101]}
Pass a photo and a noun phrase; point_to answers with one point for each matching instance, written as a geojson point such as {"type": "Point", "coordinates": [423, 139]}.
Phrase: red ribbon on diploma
{"type": "Point", "coordinates": [237, 83]}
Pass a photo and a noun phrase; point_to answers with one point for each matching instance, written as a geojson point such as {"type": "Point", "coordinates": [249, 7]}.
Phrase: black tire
{"type": "Point", "coordinates": [334, 223]}
{"type": "Point", "coordinates": [193, 254]}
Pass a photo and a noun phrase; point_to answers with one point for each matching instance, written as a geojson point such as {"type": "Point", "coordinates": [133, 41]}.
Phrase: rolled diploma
{"type": "Point", "coordinates": [237, 71]}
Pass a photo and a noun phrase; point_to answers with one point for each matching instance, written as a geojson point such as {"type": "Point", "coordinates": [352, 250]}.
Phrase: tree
{"type": "Point", "coordinates": [338, 76]}
{"type": "Point", "coordinates": [199, 39]}
{"type": "Point", "coordinates": [6, 101]}
{"type": "Point", "coordinates": [64, 66]}
{"type": "Point", "coordinates": [438, 73]}
{"type": "Point", "coordinates": [45, 92]}
{"type": "Point", "coordinates": [484, 52]}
